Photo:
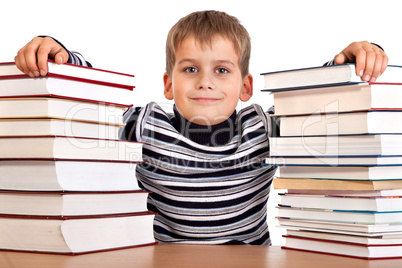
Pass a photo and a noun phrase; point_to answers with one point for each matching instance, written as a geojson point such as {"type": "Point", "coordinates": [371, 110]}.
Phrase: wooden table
{"type": "Point", "coordinates": [189, 256]}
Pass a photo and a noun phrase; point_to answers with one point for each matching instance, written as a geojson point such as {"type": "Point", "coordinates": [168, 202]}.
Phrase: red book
{"type": "Point", "coordinates": [68, 80]}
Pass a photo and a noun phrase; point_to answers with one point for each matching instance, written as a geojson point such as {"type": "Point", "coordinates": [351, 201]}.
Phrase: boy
{"type": "Point", "coordinates": [204, 163]}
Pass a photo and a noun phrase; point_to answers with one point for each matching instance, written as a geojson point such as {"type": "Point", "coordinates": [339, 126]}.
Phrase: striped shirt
{"type": "Point", "coordinates": [205, 194]}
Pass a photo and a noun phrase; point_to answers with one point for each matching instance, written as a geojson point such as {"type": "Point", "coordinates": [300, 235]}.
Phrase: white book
{"type": "Point", "coordinates": [75, 235]}
{"type": "Point", "coordinates": [60, 108]}
{"type": "Point", "coordinates": [377, 204]}
{"type": "Point", "coordinates": [67, 175]}
{"type": "Point", "coordinates": [357, 122]}
{"type": "Point", "coordinates": [72, 203]}
{"type": "Point", "coordinates": [332, 146]}
{"type": "Point", "coordinates": [74, 148]}
{"type": "Point", "coordinates": [58, 127]}
{"type": "Point", "coordinates": [351, 173]}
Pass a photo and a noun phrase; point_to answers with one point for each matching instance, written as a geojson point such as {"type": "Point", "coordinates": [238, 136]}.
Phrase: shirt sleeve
{"type": "Point", "coordinates": [130, 117]}
{"type": "Point", "coordinates": [273, 122]}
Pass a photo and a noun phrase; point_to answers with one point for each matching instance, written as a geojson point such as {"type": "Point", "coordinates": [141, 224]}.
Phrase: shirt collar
{"type": "Point", "coordinates": [213, 135]}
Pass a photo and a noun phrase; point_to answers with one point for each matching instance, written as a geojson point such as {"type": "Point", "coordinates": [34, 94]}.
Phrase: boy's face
{"type": "Point", "coordinates": [206, 81]}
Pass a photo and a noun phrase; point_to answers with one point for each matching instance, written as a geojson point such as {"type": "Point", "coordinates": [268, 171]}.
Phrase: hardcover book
{"type": "Point", "coordinates": [341, 74]}
{"type": "Point", "coordinates": [67, 175]}
{"type": "Point", "coordinates": [76, 235]}
{"type": "Point", "coordinates": [9, 70]}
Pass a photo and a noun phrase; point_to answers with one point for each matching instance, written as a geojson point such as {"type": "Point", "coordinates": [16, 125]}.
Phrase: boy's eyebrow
{"type": "Point", "coordinates": [217, 61]}
{"type": "Point", "coordinates": [225, 62]}
{"type": "Point", "coordinates": [186, 60]}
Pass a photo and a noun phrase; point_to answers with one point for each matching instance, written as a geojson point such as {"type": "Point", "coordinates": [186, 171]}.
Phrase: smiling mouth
{"type": "Point", "coordinates": [205, 100]}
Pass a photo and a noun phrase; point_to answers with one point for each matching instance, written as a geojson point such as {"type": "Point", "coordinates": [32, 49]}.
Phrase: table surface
{"type": "Point", "coordinates": [176, 255]}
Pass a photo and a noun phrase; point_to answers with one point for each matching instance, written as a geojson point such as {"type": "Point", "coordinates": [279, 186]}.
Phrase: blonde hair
{"type": "Point", "coordinates": [204, 26]}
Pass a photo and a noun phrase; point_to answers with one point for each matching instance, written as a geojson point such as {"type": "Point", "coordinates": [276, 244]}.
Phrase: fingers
{"type": "Point", "coordinates": [371, 61]}
{"type": "Point", "coordinates": [32, 58]}
{"type": "Point", "coordinates": [26, 59]}
{"type": "Point", "coordinates": [340, 58]}
{"type": "Point", "coordinates": [60, 58]}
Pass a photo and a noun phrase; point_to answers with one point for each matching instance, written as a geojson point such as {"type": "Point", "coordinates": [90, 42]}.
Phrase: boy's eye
{"type": "Point", "coordinates": [222, 71]}
{"type": "Point", "coordinates": [190, 69]}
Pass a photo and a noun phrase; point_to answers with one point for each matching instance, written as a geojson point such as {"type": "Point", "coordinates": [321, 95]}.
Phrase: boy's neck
{"type": "Point", "coordinates": [211, 135]}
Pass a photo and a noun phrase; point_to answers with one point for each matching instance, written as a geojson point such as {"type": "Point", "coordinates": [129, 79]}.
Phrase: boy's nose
{"type": "Point", "coordinates": [204, 82]}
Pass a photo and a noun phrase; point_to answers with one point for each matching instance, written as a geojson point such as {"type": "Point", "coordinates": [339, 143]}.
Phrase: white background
{"type": "Point", "coordinates": [129, 36]}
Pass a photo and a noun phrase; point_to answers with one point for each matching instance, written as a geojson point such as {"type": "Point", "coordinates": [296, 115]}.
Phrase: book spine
{"type": "Point", "coordinates": [64, 218]}
{"type": "Point", "coordinates": [67, 98]}
{"type": "Point", "coordinates": [72, 160]}
{"type": "Point", "coordinates": [86, 80]}
{"type": "Point", "coordinates": [91, 68]}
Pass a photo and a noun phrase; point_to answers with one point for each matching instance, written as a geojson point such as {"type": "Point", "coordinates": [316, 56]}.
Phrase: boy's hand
{"type": "Point", "coordinates": [32, 58]}
{"type": "Point", "coordinates": [371, 61]}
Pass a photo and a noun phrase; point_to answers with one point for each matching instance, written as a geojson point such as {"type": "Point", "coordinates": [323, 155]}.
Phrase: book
{"type": "Point", "coordinates": [75, 148]}
{"type": "Point", "coordinates": [342, 173]}
{"type": "Point", "coordinates": [347, 145]}
{"type": "Point", "coordinates": [76, 235]}
{"type": "Point", "coordinates": [355, 193]}
{"type": "Point", "coordinates": [393, 239]}
{"type": "Point", "coordinates": [376, 203]}
{"type": "Point", "coordinates": [370, 252]}
{"type": "Point", "coordinates": [58, 127]}
{"type": "Point", "coordinates": [9, 70]}
{"type": "Point", "coordinates": [38, 107]}
{"type": "Point", "coordinates": [333, 215]}
{"type": "Point", "coordinates": [359, 122]}
{"type": "Point", "coordinates": [65, 88]}
{"type": "Point", "coordinates": [67, 175]}
{"type": "Point", "coordinates": [72, 203]}
{"type": "Point", "coordinates": [342, 227]}
{"type": "Point", "coordinates": [323, 76]}
{"type": "Point", "coordinates": [67, 182]}
{"type": "Point", "coordinates": [335, 184]}
{"type": "Point", "coordinates": [385, 235]}
{"type": "Point", "coordinates": [334, 160]}
{"type": "Point", "coordinates": [357, 97]}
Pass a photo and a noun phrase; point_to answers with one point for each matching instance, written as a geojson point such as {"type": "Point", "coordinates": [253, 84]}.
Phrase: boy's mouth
{"type": "Point", "coordinates": [205, 100]}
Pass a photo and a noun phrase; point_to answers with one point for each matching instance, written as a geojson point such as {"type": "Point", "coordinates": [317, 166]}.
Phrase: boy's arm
{"type": "Point", "coordinates": [371, 60]}
{"type": "Point", "coordinates": [32, 58]}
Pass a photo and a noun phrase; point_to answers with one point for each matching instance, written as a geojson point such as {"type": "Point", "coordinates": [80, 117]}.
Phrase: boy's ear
{"type": "Point", "coordinates": [167, 82]}
{"type": "Point", "coordinates": [247, 89]}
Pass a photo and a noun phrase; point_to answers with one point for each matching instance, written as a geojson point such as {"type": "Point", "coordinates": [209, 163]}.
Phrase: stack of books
{"type": "Point", "coordinates": [67, 183]}
{"type": "Point", "coordinates": [339, 152]}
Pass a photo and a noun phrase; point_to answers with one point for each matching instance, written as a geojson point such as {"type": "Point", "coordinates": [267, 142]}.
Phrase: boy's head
{"type": "Point", "coordinates": [207, 59]}
{"type": "Point", "coordinates": [204, 26]}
